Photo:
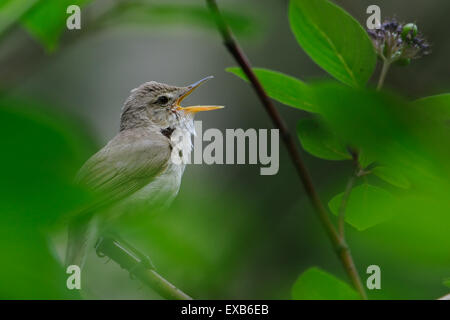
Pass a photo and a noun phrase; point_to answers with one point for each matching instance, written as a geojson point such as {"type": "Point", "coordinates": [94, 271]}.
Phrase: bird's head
{"type": "Point", "coordinates": [160, 104]}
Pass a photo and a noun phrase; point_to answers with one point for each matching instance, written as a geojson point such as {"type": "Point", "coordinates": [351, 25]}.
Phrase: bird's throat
{"type": "Point", "coordinates": [167, 132]}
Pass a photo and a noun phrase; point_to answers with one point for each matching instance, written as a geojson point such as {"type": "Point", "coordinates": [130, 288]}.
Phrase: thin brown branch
{"type": "Point", "coordinates": [338, 242]}
{"type": "Point", "coordinates": [139, 266]}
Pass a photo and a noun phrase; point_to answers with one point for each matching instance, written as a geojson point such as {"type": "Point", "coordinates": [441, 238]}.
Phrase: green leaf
{"type": "Point", "coordinates": [366, 206]}
{"type": "Point", "coordinates": [446, 282]}
{"type": "Point", "coordinates": [162, 15]}
{"type": "Point", "coordinates": [364, 160]}
{"type": "Point", "coordinates": [320, 141]}
{"type": "Point", "coordinates": [58, 150]}
{"type": "Point", "coordinates": [438, 104]}
{"type": "Point", "coordinates": [283, 88]}
{"type": "Point", "coordinates": [388, 129]}
{"type": "Point", "coordinates": [333, 39]}
{"type": "Point", "coordinates": [47, 20]}
{"type": "Point", "coordinates": [12, 10]}
{"type": "Point", "coordinates": [316, 284]}
{"type": "Point", "coordinates": [37, 188]}
{"type": "Point", "coordinates": [392, 176]}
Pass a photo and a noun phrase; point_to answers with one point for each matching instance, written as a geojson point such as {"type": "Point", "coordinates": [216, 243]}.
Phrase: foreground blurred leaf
{"type": "Point", "coordinates": [413, 140]}
{"type": "Point", "coordinates": [414, 242]}
{"type": "Point", "coordinates": [316, 284]}
{"type": "Point", "coordinates": [28, 269]}
{"type": "Point", "coordinates": [41, 154]}
{"type": "Point", "coordinates": [391, 176]}
{"type": "Point", "coordinates": [364, 160]}
{"type": "Point", "coordinates": [439, 104]}
{"type": "Point", "coordinates": [159, 14]}
{"type": "Point", "coordinates": [12, 10]}
{"type": "Point", "coordinates": [186, 234]}
{"type": "Point", "coordinates": [319, 140]}
{"type": "Point", "coordinates": [283, 88]}
{"type": "Point", "coordinates": [447, 282]}
{"type": "Point", "coordinates": [333, 39]}
{"type": "Point", "coordinates": [389, 130]}
{"type": "Point", "coordinates": [363, 205]}
{"type": "Point", "coordinates": [47, 20]}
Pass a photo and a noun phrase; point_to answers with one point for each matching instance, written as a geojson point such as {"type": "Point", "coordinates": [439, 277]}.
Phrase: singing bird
{"type": "Point", "coordinates": [141, 166]}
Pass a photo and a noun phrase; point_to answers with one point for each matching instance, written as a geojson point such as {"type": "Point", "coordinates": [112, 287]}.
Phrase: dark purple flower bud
{"type": "Point", "coordinates": [395, 41]}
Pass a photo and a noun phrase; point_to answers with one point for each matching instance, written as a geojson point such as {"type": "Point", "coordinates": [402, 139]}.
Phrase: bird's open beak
{"type": "Point", "coordinates": [190, 89]}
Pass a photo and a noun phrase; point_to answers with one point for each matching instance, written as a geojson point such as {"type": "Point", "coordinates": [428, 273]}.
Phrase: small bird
{"type": "Point", "coordinates": [141, 166]}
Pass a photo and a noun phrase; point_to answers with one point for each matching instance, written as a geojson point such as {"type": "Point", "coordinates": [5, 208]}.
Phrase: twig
{"type": "Point", "coordinates": [343, 206]}
{"type": "Point", "coordinates": [348, 189]}
{"type": "Point", "coordinates": [338, 242]}
{"type": "Point", "coordinates": [129, 258]}
{"type": "Point", "coordinates": [384, 71]}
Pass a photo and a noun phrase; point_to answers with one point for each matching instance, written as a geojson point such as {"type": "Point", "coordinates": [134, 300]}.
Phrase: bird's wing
{"type": "Point", "coordinates": [126, 164]}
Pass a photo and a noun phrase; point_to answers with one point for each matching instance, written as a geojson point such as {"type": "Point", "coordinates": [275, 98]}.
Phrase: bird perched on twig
{"type": "Point", "coordinates": [142, 165]}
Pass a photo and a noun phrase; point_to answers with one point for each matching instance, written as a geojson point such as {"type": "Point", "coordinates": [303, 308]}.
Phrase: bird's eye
{"type": "Point", "coordinates": [163, 100]}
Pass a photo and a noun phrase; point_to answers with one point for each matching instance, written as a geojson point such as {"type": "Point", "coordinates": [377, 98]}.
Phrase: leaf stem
{"type": "Point", "coordinates": [343, 206]}
{"type": "Point", "coordinates": [339, 244]}
{"type": "Point", "coordinates": [348, 189]}
{"type": "Point", "coordinates": [384, 71]}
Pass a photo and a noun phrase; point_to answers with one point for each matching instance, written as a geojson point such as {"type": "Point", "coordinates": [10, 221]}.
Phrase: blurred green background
{"type": "Point", "coordinates": [231, 233]}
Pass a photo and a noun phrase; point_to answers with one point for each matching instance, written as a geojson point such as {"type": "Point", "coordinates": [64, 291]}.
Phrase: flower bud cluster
{"type": "Point", "coordinates": [396, 42]}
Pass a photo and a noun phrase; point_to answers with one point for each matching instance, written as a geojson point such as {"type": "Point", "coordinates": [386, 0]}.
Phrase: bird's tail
{"type": "Point", "coordinates": [80, 235]}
